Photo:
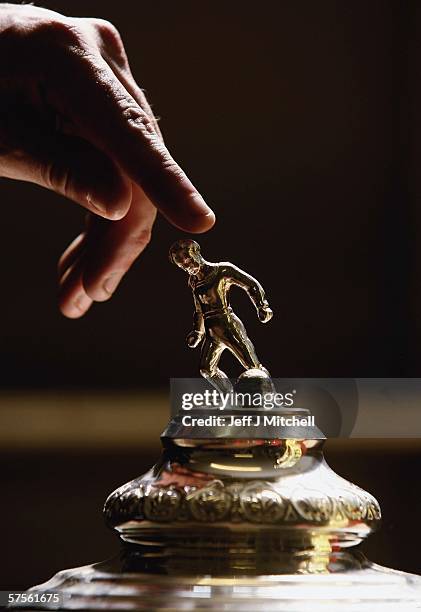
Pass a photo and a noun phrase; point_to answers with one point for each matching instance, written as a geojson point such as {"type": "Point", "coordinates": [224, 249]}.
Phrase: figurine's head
{"type": "Point", "coordinates": [186, 255]}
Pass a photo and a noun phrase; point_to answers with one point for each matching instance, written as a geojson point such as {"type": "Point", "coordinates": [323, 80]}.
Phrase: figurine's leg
{"type": "Point", "coordinates": [240, 344]}
{"type": "Point", "coordinates": [209, 359]}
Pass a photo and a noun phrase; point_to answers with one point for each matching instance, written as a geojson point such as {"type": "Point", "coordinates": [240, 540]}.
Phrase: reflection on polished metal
{"type": "Point", "coordinates": [215, 325]}
{"type": "Point", "coordinates": [240, 492]}
{"type": "Point", "coordinates": [237, 523]}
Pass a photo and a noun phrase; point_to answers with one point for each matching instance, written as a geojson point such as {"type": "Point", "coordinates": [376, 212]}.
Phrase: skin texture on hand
{"type": "Point", "coordinates": [73, 120]}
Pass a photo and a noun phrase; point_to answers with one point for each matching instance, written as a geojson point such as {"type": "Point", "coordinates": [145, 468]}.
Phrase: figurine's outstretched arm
{"type": "Point", "coordinates": [254, 290]}
{"type": "Point", "coordinates": [196, 335]}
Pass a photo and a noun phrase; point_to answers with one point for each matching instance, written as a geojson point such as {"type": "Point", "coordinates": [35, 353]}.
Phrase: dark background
{"type": "Point", "coordinates": [299, 122]}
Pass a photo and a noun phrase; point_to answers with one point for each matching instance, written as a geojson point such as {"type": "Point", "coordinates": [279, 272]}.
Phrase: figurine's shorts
{"type": "Point", "coordinates": [225, 330]}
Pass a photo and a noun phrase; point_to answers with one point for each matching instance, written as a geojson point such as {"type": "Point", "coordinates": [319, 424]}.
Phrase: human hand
{"type": "Point", "coordinates": [73, 120]}
{"type": "Point", "coordinates": [265, 314]}
{"type": "Point", "coordinates": [194, 338]}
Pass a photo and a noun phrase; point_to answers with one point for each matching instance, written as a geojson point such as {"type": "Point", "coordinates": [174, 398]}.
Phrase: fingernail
{"type": "Point", "coordinates": [78, 307]}
{"type": "Point", "coordinates": [82, 302]}
{"type": "Point", "coordinates": [96, 205]}
{"type": "Point", "coordinates": [110, 283]}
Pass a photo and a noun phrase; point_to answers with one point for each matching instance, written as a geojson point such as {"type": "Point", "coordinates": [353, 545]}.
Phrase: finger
{"type": "Point", "coordinates": [73, 300]}
{"type": "Point", "coordinates": [97, 99]}
{"type": "Point", "coordinates": [115, 247]}
{"type": "Point", "coordinates": [126, 79]}
{"type": "Point", "coordinates": [112, 50]}
{"type": "Point", "coordinates": [76, 169]}
{"type": "Point", "coordinates": [71, 254]}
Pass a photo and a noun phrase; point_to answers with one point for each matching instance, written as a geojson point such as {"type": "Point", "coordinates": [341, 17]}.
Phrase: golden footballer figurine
{"type": "Point", "coordinates": [215, 323]}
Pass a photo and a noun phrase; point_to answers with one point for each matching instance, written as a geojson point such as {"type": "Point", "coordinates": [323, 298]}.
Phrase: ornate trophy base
{"type": "Point", "coordinates": [357, 586]}
{"type": "Point", "coordinates": [230, 524]}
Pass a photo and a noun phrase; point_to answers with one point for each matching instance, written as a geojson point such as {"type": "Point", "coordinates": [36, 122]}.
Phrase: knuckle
{"type": "Point", "coordinates": [47, 173]}
{"type": "Point", "coordinates": [57, 43]}
{"type": "Point", "coordinates": [59, 32]}
{"type": "Point", "coordinates": [142, 238]}
{"type": "Point", "coordinates": [110, 40]}
{"type": "Point", "coordinates": [137, 118]}
{"type": "Point", "coordinates": [55, 177]}
{"type": "Point", "coordinates": [108, 31]}
{"type": "Point", "coordinates": [40, 38]}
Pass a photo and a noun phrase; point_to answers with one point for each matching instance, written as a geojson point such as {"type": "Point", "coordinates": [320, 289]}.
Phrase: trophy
{"type": "Point", "coordinates": [236, 516]}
